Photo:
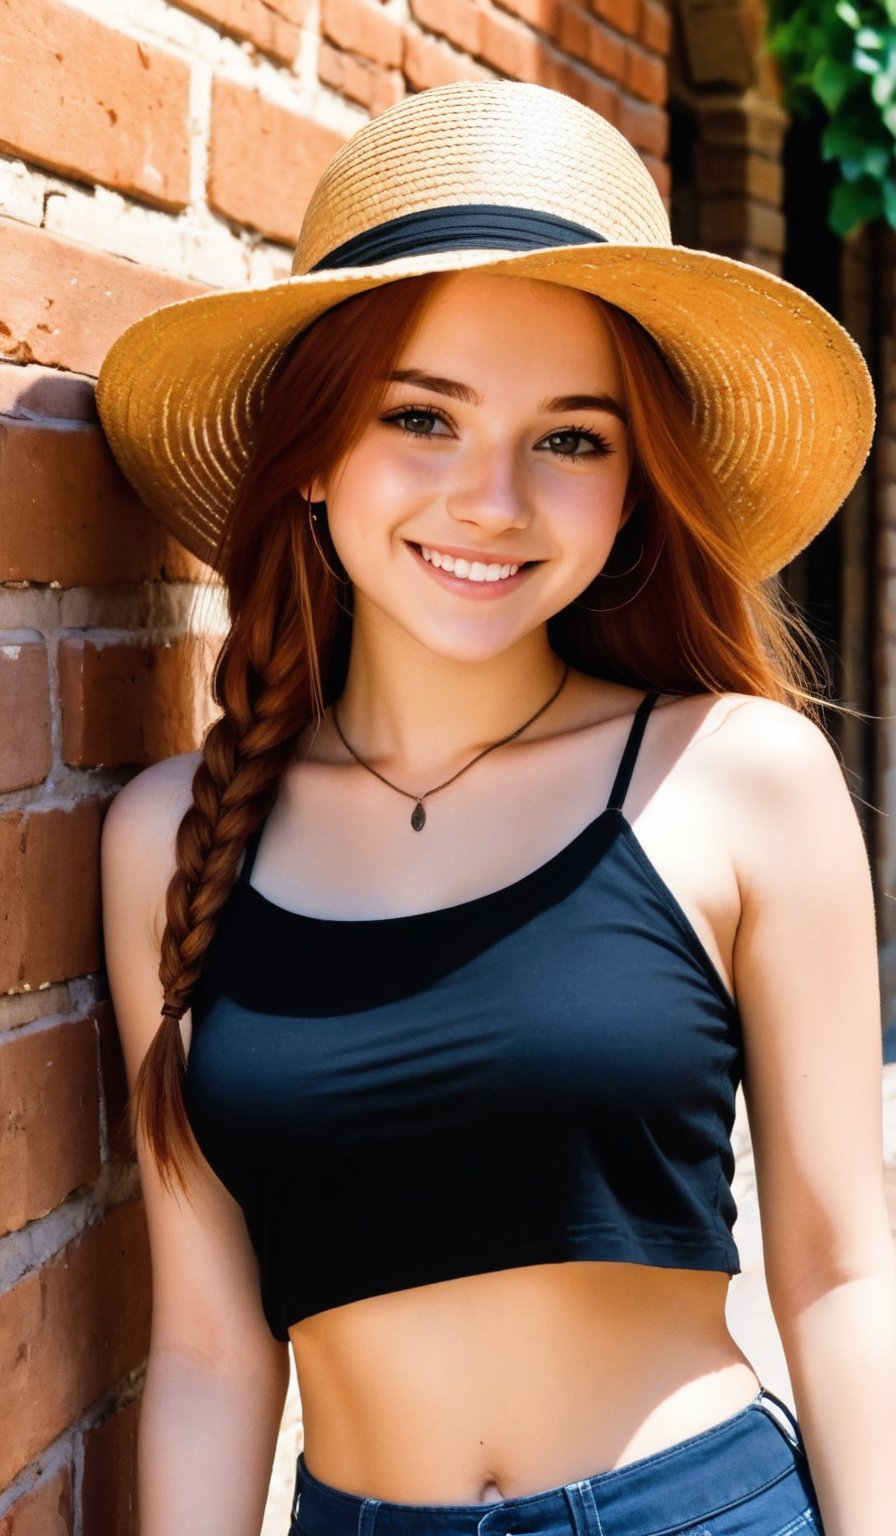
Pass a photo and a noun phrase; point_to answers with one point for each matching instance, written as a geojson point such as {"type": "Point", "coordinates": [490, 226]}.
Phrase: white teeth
{"type": "Point", "coordinates": [468, 570]}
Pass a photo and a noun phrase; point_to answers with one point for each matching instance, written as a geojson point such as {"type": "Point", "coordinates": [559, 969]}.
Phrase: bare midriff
{"type": "Point", "coordinates": [500, 1385]}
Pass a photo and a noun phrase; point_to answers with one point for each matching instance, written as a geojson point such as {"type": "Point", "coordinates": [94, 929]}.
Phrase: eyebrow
{"type": "Point", "coordinates": [456, 391]}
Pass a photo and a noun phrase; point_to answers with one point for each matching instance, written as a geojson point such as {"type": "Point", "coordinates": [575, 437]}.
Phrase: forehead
{"type": "Point", "coordinates": [487, 323]}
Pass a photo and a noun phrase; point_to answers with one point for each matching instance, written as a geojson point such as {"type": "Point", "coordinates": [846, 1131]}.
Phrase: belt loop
{"type": "Point", "coordinates": [367, 1517]}
{"type": "Point", "coordinates": [792, 1433]}
{"type": "Point", "coordinates": [583, 1515]}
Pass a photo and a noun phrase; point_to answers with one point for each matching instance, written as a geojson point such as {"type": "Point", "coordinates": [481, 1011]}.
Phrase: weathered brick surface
{"type": "Point", "coordinates": [647, 127]}
{"type": "Point", "coordinates": [45, 1511]}
{"type": "Point", "coordinates": [93, 102]}
{"type": "Point", "coordinates": [63, 305]}
{"type": "Point", "coordinates": [646, 76]}
{"type": "Point", "coordinates": [361, 26]}
{"type": "Point", "coordinates": [49, 894]}
{"type": "Point", "coordinates": [25, 751]}
{"type": "Point", "coordinates": [272, 26]}
{"type": "Point", "coordinates": [624, 15]}
{"type": "Point", "coordinates": [70, 1331]}
{"type": "Point", "coordinates": [110, 1483]}
{"type": "Point", "coordinates": [459, 21]}
{"type": "Point", "coordinates": [265, 160]}
{"type": "Point", "coordinates": [656, 27]}
{"type": "Point", "coordinates": [368, 84]}
{"type": "Point", "coordinates": [541, 14]}
{"type": "Point", "coordinates": [67, 514]}
{"type": "Point", "coordinates": [128, 703]}
{"type": "Point", "coordinates": [514, 51]}
{"type": "Point", "coordinates": [427, 63]}
{"type": "Point", "coordinates": [49, 1134]}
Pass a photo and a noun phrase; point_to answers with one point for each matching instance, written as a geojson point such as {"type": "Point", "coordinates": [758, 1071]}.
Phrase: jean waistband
{"type": "Point", "coordinates": [688, 1481]}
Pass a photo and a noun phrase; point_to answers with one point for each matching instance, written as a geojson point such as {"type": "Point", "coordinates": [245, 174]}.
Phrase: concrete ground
{"type": "Point", "coordinates": [749, 1313]}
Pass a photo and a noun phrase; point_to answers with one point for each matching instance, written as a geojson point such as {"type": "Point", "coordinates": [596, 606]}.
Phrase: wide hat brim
{"type": "Point", "coordinates": [781, 396]}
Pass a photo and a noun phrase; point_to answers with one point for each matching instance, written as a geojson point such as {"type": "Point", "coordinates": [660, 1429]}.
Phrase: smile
{"type": "Point", "coordinates": [468, 570]}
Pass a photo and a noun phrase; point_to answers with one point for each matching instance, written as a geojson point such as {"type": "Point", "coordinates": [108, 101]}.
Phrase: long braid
{"type": "Point", "coordinates": [267, 684]}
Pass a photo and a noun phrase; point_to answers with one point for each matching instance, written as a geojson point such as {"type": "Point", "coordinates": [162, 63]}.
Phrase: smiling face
{"type": "Point", "coordinates": [486, 491]}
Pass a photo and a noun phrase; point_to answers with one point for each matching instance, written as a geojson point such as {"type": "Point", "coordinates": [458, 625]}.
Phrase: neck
{"type": "Point", "coordinates": [404, 707]}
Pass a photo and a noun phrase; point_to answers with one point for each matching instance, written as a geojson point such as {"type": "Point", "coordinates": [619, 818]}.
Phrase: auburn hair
{"type": "Point", "coordinates": [703, 620]}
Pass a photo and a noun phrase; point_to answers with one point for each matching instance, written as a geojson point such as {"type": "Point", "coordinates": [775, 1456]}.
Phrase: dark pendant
{"type": "Point", "coordinates": [418, 817]}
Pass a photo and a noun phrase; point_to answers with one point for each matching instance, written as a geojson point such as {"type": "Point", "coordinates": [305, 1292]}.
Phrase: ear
{"type": "Point", "coordinates": [313, 490]}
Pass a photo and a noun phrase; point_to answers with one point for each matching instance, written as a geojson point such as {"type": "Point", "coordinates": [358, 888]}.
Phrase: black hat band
{"type": "Point", "coordinates": [468, 226]}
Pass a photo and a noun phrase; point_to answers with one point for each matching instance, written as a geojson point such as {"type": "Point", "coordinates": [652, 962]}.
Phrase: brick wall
{"type": "Point", "coordinates": [147, 150]}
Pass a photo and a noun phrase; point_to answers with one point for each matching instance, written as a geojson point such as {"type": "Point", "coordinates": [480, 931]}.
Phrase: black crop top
{"type": "Point", "coordinates": [542, 1074]}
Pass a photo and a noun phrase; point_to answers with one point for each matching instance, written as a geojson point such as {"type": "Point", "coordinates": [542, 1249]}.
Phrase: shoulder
{"type": "Point", "coordinates": [139, 833]}
{"type": "Point", "coordinates": [779, 783]}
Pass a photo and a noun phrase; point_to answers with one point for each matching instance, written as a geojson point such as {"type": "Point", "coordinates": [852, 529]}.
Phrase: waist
{"type": "Point", "coordinates": [751, 1465]}
{"type": "Point", "coordinates": [463, 1384]}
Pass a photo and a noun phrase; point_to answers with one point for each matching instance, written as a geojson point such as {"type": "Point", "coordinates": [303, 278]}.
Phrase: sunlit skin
{"type": "Point", "coordinates": [503, 441]}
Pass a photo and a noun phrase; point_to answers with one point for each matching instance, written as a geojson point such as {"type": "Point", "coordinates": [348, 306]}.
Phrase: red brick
{"type": "Point", "coordinates": [573, 32]}
{"type": "Point", "coordinates": [110, 1475]}
{"type": "Point", "coordinates": [67, 514]}
{"type": "Point", "coordinates": [94, 103]}
{"type": "Point", "coordinates": [49, 894]}
{"type": "Point", "coordinates": [655, 28]}
{"type": "Point", "coordinates": [607, 53]}
{"type": "Point", "coordinates": [583, 86]}
{"type": "Point", "coordinates": [368, 84]}
{"type": "Point", "coordinates": [126, 703]}
{"type": "Point", "coordinates": [645, 126]}
{"type": "Point", "coordinates": [427, 63]}
{"type": "Point", "coordinates": [272, 26]}
{"type": "Point", "coordinates": [541, 14]}
{"type": "Point", "coordinates": [457, 20]}
{"type": "Point", "coordinates": [70, 1331]}
{"type": "Point", "coordinates": [362, 27]}
{"type": "Point", "coordinates": [49, 1135]}
{"type": "Point", "coordinates": [45, 1511]}
{"type": "Point", "coordinates": [514, 52]}
{"type": "Point", "coordinates": [30, 392]}
{"type": "Point", "coordinates": [115, 1084]}
{"type": "Point", "coordinates": [63, 305]}
{"type": "Point", "coordinates": [25, 753]}
{"type": "Point", "coordinates": [265, 161]}
{"type": "Point", "coordinates": [624, 15]}
{"type": "Point", "coordinates": [645, 76]}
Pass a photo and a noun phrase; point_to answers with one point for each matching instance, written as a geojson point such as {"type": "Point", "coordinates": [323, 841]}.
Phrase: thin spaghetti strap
{"type": "Point", "coordinates": [251, 850]}
{"type": "Point", "coordinates": [627, 762]}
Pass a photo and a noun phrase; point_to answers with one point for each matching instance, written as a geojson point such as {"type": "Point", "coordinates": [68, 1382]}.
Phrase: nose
{"type": "Point", "coordinates": [492, 492]}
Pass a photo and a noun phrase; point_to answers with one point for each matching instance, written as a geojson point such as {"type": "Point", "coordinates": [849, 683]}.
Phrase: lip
{"type": "Point", "coordinates": [487, 557]}
{"type": "Point", "coordinates": [474, 591]}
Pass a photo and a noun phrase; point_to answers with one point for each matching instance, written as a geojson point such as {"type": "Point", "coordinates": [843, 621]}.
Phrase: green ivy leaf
{"type": "Point", "coordinates": [889, 194]}
{"type": "Point", "coordinates": [883, 87]}
{"type": "Point", "coordinates": [848, 13]}
{"type": "Point", "coordinates": [870, 37]}
{"type": "Point", "coordinates": [854, 204]}
{"type": "Point", "coordinates": [832, 80]}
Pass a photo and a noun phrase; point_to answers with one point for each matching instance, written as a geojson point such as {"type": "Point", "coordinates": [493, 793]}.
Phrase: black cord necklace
{"type": "Point", "coordinates": [418, 814]}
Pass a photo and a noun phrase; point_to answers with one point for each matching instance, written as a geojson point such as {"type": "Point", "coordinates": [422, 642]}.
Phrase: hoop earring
{"type": "Point", "coordinates": [614, 606]}
{"type": "Point", "coordinates": [616, 575]}
{"type": "Point", "coordinates": [313, 519]}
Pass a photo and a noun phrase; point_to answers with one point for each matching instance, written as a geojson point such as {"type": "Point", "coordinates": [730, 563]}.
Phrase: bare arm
{"type": "Point", "coordinates": [806, 974]}
{"type": "Point", "coordinates": [217, 1378]}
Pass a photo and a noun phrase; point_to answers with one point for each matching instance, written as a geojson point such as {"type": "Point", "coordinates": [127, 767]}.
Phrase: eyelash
{"type": "Point", "coordinates": [601, 447]}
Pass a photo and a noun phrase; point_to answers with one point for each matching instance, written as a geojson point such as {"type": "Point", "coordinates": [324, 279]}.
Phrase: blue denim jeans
{"type": "Point", "coordinates": [747, 1476]}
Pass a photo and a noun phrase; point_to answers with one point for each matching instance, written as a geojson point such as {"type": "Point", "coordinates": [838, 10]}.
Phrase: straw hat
{"type": "Point", "coordinates": [510, 178]}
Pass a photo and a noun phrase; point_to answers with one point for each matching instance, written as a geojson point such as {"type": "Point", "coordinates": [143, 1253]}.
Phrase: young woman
{"type": "Point", "coordinates": [514, 848]}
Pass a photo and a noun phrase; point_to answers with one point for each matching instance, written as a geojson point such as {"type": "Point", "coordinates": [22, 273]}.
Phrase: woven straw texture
{"type": "Point", "coordinates": [780, 394]}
